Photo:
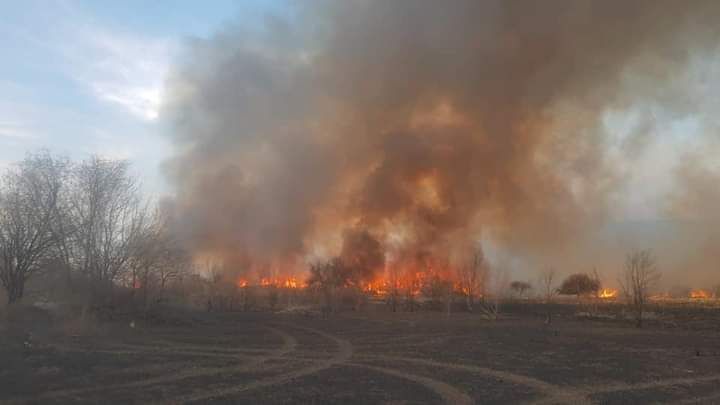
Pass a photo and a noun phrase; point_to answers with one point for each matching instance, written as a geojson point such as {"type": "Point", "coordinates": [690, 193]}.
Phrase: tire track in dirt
{"type": "Point", "coordinates": [669, 382]}
{"type": "Point", "coordinates": [160, 345]}
{"type": "Point", "coordinates": [132, 350]}
{"type": "Point", "coordinates": [288, 346]}
{"type": "Point", "coordinates": [708, 399]}
{"type": "Point", "coordinates": [553, 393]}
{"type": "Point", "coordinates": [123, 372]}
{"type": "Point", "coordinates": [171, 344]}
{"type": "Point", "coordinates": [576, 395]}
{"type": "Point", "coordinates": [448, 393]}
{"type": "Point", "coordinates": [343, 354]}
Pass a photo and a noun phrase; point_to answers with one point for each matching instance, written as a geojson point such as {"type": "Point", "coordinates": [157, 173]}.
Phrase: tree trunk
{"type": "Point", "coordinates": [548, 311]}
{"type": "Point", "coordinates": [11, 296]}
{"type": "Point", "coordinates": [15, 292]}
{"type": "Point", "coordinates": [68, 277]}
{"type": "Point", "coordinates": [145, 287]}
{"type": "Point", "coordinates": [448, 299]}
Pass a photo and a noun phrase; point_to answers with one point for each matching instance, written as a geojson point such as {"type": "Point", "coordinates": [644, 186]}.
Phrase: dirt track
{"type": "Point", "coordinates": [410, 358]}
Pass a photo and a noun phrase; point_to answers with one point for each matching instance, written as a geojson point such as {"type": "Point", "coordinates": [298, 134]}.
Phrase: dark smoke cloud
{"type": "Point", "coordinates": [362, 254]}
{"type": "Point", "coordinates": [423, 124]}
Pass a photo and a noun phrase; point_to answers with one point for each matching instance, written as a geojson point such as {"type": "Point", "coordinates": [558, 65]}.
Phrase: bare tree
{"type": "Point", "coordinates": [549, 291]}
{"type": "Point", "coordinates": [212, 275]}
{"type": "Point", "coordinates": [148, 252]}
{"type": "Point", "coordinates": [495, 290]}
{"type": "Point", "coordinates": [174, 264]}
{"type": "Point", "coordinates": [28, 206]}
{"type": "Point", "coordinates": [393, 288]}
{"type": "Point", "coordinates": [639, 276]}
{"type": "Point", "coordinates": [107, 217]}
{"type": "Point", "coordinates": [326, 277]}
{"type": "Point", "coordinates": [520, 287]}
{"type": "Point", "coordinates": [473, 277]}
{"type": "Point", "coordinates": [440, 291]}
{"type": "Point", "coordinates": [85, 219]}
{"type": "Point", "coordinates": [412, 287]}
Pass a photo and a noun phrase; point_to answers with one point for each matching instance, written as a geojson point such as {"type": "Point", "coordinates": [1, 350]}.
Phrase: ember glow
{"type": "Point", "coordinates": [277, 282]}
{"type": "Point", "coordinates": [608, 293]}
{"type": "Point", "coordinates": [663, 296]}
{"type": "Point", "coordinates": [409, 282]}
{"type": "Point", "coordinates": [281, 282]}
{"type": "Point", "coordinates": [701, 294]}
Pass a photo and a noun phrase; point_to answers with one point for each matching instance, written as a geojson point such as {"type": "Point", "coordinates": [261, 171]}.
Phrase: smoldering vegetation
{"type": "Point", "coordinates": [432, 127]}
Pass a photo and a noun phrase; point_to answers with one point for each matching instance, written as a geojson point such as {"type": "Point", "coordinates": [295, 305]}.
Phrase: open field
{"type": "Point", "coordinates": [365, 358]}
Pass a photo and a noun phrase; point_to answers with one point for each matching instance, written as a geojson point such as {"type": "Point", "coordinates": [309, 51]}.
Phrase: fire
{"type": "Point", "coordinates": [289, 282]}
{"type": "Point", "coordinates": [460, 289]}
{"type": "Point", "coordinates": [378, 288]}
{"type": "Point", "coordinates": [700, 294]}
{"type": "Point", "coordinates": [400, 279]}
{"type": "Point", "coordinates": [409, 282]}
{"type": "Point", "coordinates": [608, 293]}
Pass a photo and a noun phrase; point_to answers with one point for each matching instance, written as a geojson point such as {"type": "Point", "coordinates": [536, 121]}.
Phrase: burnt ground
{"type": "Point", "coordinates": [403, 358]}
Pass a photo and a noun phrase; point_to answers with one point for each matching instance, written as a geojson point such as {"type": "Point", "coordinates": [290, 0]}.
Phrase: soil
{"type": "Point", "coordinates": [363, 358]}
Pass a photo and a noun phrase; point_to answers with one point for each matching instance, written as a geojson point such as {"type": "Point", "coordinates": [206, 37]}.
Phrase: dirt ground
{"type": "Point", "coordinates": [402, 358]}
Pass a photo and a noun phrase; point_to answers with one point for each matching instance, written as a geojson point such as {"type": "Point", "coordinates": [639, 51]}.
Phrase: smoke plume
{"type": "Point", "coordinates": [415, 128]}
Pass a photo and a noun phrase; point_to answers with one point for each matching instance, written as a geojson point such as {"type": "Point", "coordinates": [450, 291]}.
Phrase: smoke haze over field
{"type": "Point", "coordinates": [418, 128]}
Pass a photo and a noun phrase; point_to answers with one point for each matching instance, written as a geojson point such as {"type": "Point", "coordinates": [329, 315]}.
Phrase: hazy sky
{"type": "Point", "coordinates": [82, 77]}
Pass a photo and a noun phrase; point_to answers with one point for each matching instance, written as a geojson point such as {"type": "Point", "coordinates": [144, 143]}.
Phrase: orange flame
{"type": "Point", "coordinates": [292, 283]}
{"type": "Point", "coordinates": [700, 294]}
{"type": "Point", "coordinates": [607, 293]}
{"type": "Point", "coordinates": [289, 282]}
{"type": "Point", "coordinates": [409, 280]}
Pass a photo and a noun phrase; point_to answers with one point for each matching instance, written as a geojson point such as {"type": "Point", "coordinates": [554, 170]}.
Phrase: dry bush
{"type": "Point", "coordinates": [580, 285]}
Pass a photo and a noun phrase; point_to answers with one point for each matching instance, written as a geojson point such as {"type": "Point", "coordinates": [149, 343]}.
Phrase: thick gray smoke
{"type": "Point", "coordinates": [423, 125]}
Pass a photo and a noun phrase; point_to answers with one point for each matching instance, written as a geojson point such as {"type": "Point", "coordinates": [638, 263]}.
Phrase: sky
{"type": "Point", "coordinates": [86, 77]}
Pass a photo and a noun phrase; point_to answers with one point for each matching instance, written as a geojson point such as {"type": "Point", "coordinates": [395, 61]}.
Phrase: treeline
{"type": "Point", "coordinates": [87, 231]}
{"type": "Point", "coordinates": [86, 227]}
